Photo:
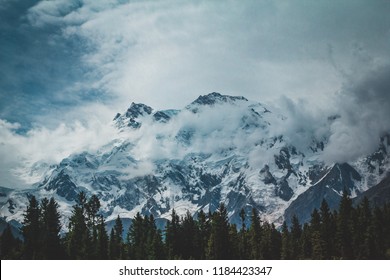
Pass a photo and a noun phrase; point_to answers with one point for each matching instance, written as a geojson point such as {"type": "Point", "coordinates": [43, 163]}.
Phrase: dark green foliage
{"type": "Point", "coordinates": [349, 233]}
{"type": "Point", "coordinates": [78, 236]}
{"type": "Point", "coordinates": [50, 231]}
{"type": "Point", "coordinates": [85, 239]}
{"type": "Point", "coordinates": [243, 245]}
{"type": "Point", "coordinates": [116, 245]}
{"type": "Point", "coordinates": [92, 209]}
{"type": "Point", "coordinates": [101, 240]}
{"type": "Point", "coordinates": [172, 236]}
{"type": "Point", "coordinates": [269, 244]}
{"type": "Point", "coordinates": [144, 240]}
{"type": "Point", "coordinates": [203, 225]}
{"type": "Point", "coordinates": [327, 229]}
{"type": "Point", "coordinates": [9, 246]}
{"type": "Point", "coordinates": [306, 241]}
{"type": "Point", "coordinates": [296, 232]}
{"type": "Point", "coordinates": [286, 253]}
{"type": "Point", "coordinates": [136, 238]}
{"type": "Point", "coordinates": [316, 242]}
{"type": "Point", "coordinates": [255, 235]}
{"type": "Point", "coordinates": [219, 247]}
{"type": "Point", "coordinates": [345, 228]}
{"type": "Point", "coordinates": [41, 230]}
{"type": "Point", "coordinates": [190, 238]}
{"type": "Point", "coordinates": [234, 242]}
{"type": "Point", "coordinates": [154, 244]}
{"type": "Point", "coordinates": [32, 230]}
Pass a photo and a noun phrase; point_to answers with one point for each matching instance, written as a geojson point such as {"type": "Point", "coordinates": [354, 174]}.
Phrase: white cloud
{"type": "Point", "coordinates": [19, 153]}
{"type": "Point", "coordinates": [166, 53]}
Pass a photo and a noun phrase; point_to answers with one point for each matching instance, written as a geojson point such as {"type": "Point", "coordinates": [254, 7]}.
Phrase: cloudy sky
{"type": "Point", "coordinates": [67, 66]}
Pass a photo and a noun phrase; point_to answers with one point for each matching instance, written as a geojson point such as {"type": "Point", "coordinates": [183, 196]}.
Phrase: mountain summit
{"type": "Point", "coordinates": [215, 97]}
{"type": "Point", "coordinates": [217, 149]}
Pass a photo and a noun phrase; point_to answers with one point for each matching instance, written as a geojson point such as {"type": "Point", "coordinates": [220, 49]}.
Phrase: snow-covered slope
{"type": "Point", "coordinates": [217, 149]}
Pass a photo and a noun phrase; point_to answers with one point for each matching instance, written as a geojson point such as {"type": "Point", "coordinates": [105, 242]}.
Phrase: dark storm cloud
{"type": "Point", "coordinates": [364, 106]}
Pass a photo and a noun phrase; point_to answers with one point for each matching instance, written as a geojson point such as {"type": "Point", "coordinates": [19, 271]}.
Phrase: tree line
{"type": "Point", "coordinates": [360, 232]}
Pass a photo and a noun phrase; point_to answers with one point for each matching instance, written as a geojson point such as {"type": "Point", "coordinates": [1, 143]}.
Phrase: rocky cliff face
{"type": "Point", "coordinates": [217, 149]}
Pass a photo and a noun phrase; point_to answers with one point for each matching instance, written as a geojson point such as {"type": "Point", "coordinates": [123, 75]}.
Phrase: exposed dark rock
{"type": "Point", "coordinates": [215, 97]}
{"type": "Point", "coordinates": [378, 195]}
{"type": "Point", "coordinates": [63, 186]}
{"type": "Point", "coordinates": [341, 177]}
{"type": "Point", "coordinates": [267, 177]}
{"type": "Point", "coordinates": [284, 191]}
{"type": "Point", "coordinates": [283, 159]}
{"type": "Point", "coordinates": [161, 116]}
{"type": "Point", "coordinates": [15, 228]}
{"type": "Point", "coordinates": [138, 109]}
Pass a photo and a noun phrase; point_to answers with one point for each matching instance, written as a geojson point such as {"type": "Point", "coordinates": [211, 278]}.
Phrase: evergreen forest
{"type": "Point", "coordinates": [351, 232]}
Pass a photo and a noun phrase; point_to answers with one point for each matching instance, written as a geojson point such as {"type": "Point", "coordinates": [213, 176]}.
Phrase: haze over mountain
{"type": "Point", "coordinates": [219, 148]}
{"type": "Point", "coordinates": [320, 70]}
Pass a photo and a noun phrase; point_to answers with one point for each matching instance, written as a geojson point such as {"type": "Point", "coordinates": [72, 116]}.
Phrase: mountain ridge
{"type": "Point", "coordinates": [217, 149]}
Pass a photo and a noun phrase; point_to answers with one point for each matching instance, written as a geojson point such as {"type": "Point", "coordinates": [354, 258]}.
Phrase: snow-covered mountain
{"type": "Point", "coordinates": [217, 149]}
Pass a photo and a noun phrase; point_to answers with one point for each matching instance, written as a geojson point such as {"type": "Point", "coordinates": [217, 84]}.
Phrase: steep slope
{"type": "Point", "coordinates": [378, 195]}
{"type": "Point", "coordinates": [217, 149]}
{"type": "Point", "coordinates": [15, 228]}
{"type": "Point", "coordinates": [341, 177]}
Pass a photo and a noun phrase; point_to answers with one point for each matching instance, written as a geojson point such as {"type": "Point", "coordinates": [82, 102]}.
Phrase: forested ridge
{"type": "Point", "coordinates": [360, 232]}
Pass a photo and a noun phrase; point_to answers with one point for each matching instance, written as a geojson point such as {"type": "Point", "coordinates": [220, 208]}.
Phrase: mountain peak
{"type": "Point", "coordinates": [130, 118]}
{"type": "Point", "coordinates": [220, 148]}
{"type": "Point", "coordinates": [138, 109]}
{"type": "Point", "coordinates": [215, 97]}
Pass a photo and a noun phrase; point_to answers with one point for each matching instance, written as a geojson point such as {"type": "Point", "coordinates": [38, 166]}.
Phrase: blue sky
{"type": "Point", "coordinates": [68, 66]}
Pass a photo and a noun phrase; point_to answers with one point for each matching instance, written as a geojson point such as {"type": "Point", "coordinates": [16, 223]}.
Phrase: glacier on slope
{"type": "Point", "coordinates": [217, 149]}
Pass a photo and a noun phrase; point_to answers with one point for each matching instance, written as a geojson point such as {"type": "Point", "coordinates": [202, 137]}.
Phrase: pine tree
{"type": "Point", "coordinates": [243, 238]}
{"type": "Point", "coordinates": [326, 229]}
{"type": "Point", "coordinates": [154, 244]}
{"type": "Point", "coordinates": [204, 234]}
{"type": "Point", "coordinates": [190, 236]}
{"type": "Point", "coordinates": [102, 240]}
{"type": "Point", "coordinates": [286, 243]}
{"type": "Point", "coordinates": [379, 225]}
{"type": "Point", "coordinates": [317, 243]}
{"type": "Point", "coordinates": [219, 243]}
{"type": "Point", "coordinates": [317, 246]}
{"type": "Point", "coordinates": [9, 245]}
{"type": "Point", "coordinates": [363, 242]}
{"type": "Point", "coordinates": [92, 219]}
{"type": "Point", "coordinates": [266, 241]}
{"type": "Point", "coordinates": [385, 240]}
{"type": "Point", "coordinates": [173, 237]}
{"type": "Point", "coordinates": [276, 243]}
{"type": "Point", "coordinates": [78, 238]}
{"type": "Point", "coordinates": [92, 208]}
{"type": "Point", "coordinates": [50, 231]}
{"type": "Point", "coordinates": [306, 241]}
{"type": "Point", "coordinates": [233, 242]}
{"type": "Point", "coordinates": [144, 240]}
{"type": "Point", "coordinates": [255, 236]}
{"type": "Point", "coordinates": [31, 230]}
{"type": "Point", "coordinates": [136, 241]}
{"type": "Point", "coordinates": [81, 201]}
{"type": "Point", "coordinates": [344, 228]}
{"type": "Point", "coordinates": [112, 247]}
{"type": "Point", "coordinates": [116, 240]}
{"type": "Point", "coordinates": [296, 232]}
